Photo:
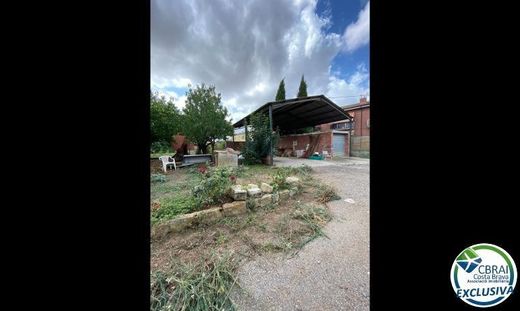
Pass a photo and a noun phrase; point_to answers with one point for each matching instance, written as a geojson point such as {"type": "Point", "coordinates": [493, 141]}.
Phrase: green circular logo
{"type": "Point", "coordinates": [483, 275]}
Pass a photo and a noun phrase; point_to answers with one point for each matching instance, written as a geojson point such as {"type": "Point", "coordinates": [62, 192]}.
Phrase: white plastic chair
{"type": "Point", "coordinates": [165, 162]}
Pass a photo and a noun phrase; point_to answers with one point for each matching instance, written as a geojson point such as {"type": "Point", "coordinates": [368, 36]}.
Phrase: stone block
{"type": "Point", "coordinates": [238, 193]}
{"type": "Point", "coordinates": [265, 200]}
{"type": "Point", "coordinates": [208, 216]}
{"type": "Point", "coordinates": [266, 188]}
{"type": "Point", "coordinates": [234, 208]}
{"type": "Point", "coordinates": [254, 192]}
{"type": "Point", "coordinates": [284, 195]}
{"type": "Point", "coordinates": [292, 180]}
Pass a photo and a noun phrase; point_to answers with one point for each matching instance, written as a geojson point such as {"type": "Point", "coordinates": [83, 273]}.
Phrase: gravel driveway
{"type": "Point", "coordinates": [327, 274]}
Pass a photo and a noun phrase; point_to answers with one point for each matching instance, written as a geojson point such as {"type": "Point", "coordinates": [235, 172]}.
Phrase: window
{"type": "Point", "coordinates": [342, 126]}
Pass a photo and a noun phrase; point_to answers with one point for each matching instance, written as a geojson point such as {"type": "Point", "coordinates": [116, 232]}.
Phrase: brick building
{"type": "Point", "coordinates": [359, 128]}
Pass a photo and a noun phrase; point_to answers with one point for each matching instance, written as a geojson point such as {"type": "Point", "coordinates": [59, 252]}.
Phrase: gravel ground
{"type": "Point", "coordinates": [327, 274]}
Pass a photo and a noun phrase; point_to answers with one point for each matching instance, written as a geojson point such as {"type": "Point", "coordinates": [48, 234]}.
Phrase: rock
{"type": "Point", "coordinates": [254, 192]}
{"type": "Point", "coordinates": [284, 194]}
{"type": "Point", "coordinates": [266, 188]}
{"type": "Point", "coordinates": [291, 180]}
{"type": "Point", "coordinates": [234, 208]}
{"type": "Point", "coordinates": [238, 193]}
{"type": "Point", "coordinates": [249, 186]}
{"type": "Point", "coordinates": [178, 224]}
{"type": "Point", "coordinates": [265, 200]}
{"type": "Point", "coordinates": [208, 215]}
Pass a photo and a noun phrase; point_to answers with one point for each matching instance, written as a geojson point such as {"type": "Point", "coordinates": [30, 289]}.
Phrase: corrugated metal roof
{"type": "Point", "coordinates": [295, 113]}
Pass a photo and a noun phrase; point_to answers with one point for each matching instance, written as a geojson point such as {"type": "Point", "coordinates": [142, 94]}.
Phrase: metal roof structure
{"type": "Point", "coordinates": [296, 113]}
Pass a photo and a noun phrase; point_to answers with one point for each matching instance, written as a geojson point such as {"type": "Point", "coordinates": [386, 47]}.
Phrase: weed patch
{"type": "Point", "coordinates": [203, 286]}
{"type": "Point", "coordinates": [169, 207]}
{"type": "Point", "coordinates": [314, 217]}
{"type": "Point", "coordinates": [325, 193]}
{"type": "Point", "coordinates": [157, 178]}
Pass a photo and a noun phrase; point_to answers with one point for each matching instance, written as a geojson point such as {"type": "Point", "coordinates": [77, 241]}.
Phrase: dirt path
{"type": "Point", "coordinates": [327, 274]}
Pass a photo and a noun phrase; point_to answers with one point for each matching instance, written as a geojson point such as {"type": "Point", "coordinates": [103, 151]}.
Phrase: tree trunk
{"type": "Point", "coordinates": [203, 148]}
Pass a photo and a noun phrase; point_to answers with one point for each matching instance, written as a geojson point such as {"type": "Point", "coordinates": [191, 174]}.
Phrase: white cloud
{"type": "Point", "coordinates": [163, 82]}
{"type": "Point", "coordinates": [178, 100]}
{"type": "Point", "coordinates": [348, 91]}
{"type": "Point", "coordinates": [244, 48]}
{"type": "Point", "coordinates": [357, 34]}
{"type": "Point", "coordinates": [259, 88]}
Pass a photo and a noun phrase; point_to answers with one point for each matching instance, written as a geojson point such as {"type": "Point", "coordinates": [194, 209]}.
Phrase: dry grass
{"type": "Point", "coordinates": [218, 248]}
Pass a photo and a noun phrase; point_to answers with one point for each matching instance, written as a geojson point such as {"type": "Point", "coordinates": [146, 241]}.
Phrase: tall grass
{"type": "Point", "coordinates": [202, 286]}
{"type": "Point", "coordinates": [314, 217]}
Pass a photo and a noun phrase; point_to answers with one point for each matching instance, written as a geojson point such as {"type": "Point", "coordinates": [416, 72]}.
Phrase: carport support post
{"type": "Point", "coordinates": [271, 132]}
{"type": "Point", "coordinates": [245, 128]}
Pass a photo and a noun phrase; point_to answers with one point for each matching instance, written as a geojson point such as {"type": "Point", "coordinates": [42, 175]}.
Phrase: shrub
{"type": "Point", "coordinates": [158, 178]}
{"type": "Point", "coordinates": [259, 139]}
{"type": "Point", "coordinates": [279, 179]}
{"type": "Point", "coordinates": [214, 188]}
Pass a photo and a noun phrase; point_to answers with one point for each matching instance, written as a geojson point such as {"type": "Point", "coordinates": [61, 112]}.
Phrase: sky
{"type": "Point", "coordinates": [245, 47]}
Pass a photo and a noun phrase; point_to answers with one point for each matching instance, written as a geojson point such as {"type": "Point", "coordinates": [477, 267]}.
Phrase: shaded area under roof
{"type": "Point", "coordinates": [296, 113]}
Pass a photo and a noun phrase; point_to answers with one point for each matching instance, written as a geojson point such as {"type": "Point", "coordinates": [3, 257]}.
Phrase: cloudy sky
{"type": "Point", "coordinates": [245, 47]}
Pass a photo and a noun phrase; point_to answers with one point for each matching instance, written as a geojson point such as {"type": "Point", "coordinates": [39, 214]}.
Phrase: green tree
{"type": "Point", "coordinates": [259, 138]}
{"type": "Point", "coordinates": [302, 91]}
{"type": "Point", "coordinates": [280, 94]}
{"type": "Point", "coordinates": [164, 119]}
{"type": "Point", "coordinates": [205, 117]}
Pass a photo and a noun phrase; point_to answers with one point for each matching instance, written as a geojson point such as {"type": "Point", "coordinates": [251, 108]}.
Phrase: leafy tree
{"type": "Point", "coordinates": [302, 91]}
{"type": "Point", "coordinates": [280, 94]}
{"type": "Point", "coordinates": [259, 138]}
{"type": "Point", "coordinates": [164, 119]}
{"type": "Point", "coordinates": [205, 117]}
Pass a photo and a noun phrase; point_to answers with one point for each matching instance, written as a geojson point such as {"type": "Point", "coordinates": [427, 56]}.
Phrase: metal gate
{"type": "Point", "coordinates": [338, 144]}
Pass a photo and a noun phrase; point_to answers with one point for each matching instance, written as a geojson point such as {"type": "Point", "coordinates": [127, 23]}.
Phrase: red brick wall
{"type": "Point", "coordinates": [325, 142]}
{"type": "Point", "coordinates": [360, 122]}
{"type": "Point", "coordinates": [360, 119]}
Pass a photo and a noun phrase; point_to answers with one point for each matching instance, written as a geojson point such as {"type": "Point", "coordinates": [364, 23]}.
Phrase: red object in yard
{"type": "Point", "coordinates": [202, 169]}
{"type": "Point", "coordinates": [182, 143]}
